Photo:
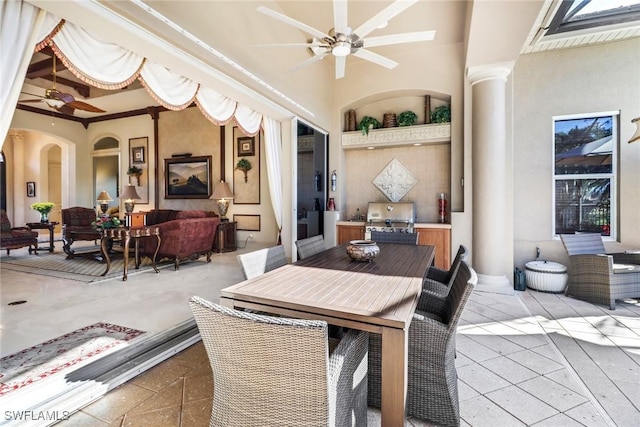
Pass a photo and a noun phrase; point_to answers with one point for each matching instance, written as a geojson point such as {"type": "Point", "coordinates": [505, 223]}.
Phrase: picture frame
{"type": "Point", "coordinates": [187, 177]}
{"type": "Point", "coordinates": [247, 222]}
{"type": "Point", "coordinates": [246, 146]}
{"type": "Point", "coordinates": [137, 155]}
{"type": "Point", "coordinates": [31, 189]}
{"type": "Point", "coordinates": [246, 186]}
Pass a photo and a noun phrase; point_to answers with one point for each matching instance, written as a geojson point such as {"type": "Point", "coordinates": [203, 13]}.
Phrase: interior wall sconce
{"type": "Point", "coordinates": [129, 195]}
{"type": "Point", "coordinates": [334, 181]}
{"type": "Point", "coordinates": [222, 193]}
{"type": "Point", "coordinates": [104, 198]}
{"type": "Point", "coordinates": [636, 136]}
{"type": "Point", "coordinates": [245, 166]}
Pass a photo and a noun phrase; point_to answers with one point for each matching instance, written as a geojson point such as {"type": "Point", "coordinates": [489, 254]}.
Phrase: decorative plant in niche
{"type": "Point", "coordinates": [135, 171]}
{"type": "Point", "coordinates": [407, 118]}
{"type": "Point", "coordinates": [245, 166]}
{"type": "Point", "coordinates": [441, 114]}
{"type": "Point", "coordinates": [367, 123]}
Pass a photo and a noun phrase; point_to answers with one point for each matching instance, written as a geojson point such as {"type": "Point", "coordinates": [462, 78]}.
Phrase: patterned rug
{"type": "Point", "coordinates": [73, 349]}
{"type": "Point", "coordinates": [79, 268]}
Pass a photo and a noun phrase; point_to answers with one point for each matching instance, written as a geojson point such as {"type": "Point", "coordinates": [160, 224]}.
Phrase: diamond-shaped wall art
{"type": "Point", "coordinates": [395, 181]}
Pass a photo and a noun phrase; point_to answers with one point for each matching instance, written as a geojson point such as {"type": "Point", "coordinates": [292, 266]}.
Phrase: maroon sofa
{"type": "Point", "coordinates": [184, 234]}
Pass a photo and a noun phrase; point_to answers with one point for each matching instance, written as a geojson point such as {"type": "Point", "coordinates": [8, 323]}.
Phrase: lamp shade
{"type": "Point", "coordinates": [129, 193]}
{"type": "Point", "coordinates": [222, 191]}
{"type": "Point", "coordinates": [104, 197]}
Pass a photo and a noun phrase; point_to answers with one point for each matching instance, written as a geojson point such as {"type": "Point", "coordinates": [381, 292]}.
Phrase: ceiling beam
{"type": "Point", "coordinates": [44, 70]}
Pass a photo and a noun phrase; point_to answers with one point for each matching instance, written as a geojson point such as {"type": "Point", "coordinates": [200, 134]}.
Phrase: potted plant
{"type": "Point", "coordinates": [135, 171]}
{"type": "Point", "coordinates": [407, 118]}
{"type": "Point", "coordinates": [441, 114]}
{"type": "Point", "coordinates": [245, 166]}
{"type": "Point", "coordinates": [368, 123]}
{"type": "Point", "coordinates": [44, 208]}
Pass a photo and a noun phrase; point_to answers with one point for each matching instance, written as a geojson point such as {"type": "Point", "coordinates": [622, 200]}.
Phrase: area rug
{"type": "Point", "coordinates": [43, 360]}
{"type": "Point", "coordinates": [79, 268]}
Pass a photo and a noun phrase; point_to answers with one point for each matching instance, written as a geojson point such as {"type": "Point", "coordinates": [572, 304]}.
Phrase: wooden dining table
{"type": "Point", "coordinates": [378, 297]}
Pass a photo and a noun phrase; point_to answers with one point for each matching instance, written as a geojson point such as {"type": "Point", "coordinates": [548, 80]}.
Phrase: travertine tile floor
{"type": "Point", "coordinates": [533, 359]}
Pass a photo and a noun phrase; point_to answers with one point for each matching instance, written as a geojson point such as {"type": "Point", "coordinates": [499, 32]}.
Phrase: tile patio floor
{"type": "Point", "coordinates": [532, 359]}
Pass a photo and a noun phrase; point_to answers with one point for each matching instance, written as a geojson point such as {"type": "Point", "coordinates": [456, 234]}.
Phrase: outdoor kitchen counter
{"type": "Point", "coordinates": [431, 234]}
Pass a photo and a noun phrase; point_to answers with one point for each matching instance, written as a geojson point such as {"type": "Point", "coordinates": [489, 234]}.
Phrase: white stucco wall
{"type": "Point", "coordinates": [574, 81]}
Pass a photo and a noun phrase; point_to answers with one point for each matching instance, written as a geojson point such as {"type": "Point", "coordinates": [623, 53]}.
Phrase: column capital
{"type": "Point", "coordinates": [497, 71]}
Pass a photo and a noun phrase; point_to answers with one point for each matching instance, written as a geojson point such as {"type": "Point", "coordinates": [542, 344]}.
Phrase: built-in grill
{"type": "Point", "coordinates": [389, 218]}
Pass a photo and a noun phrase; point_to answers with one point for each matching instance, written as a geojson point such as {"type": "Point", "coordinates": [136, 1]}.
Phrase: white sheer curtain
{"type": "Point", "coordinates": [19, 24]}
{"type": "Point", "coordinates": [109, 66]}
{"type": "Point", "coordinates": [273, 150]}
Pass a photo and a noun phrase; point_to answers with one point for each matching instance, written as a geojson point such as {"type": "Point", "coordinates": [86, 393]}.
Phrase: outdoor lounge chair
{"type": "Point", "coordinates": [273, 371]}
{"type": "Point", "coordinates": [310, 246]}
{"type": "Point", "coordinates": [262, 261]}
{"type": "Point", "coordinates": [596, 276]}
{"type": "Point", "coordinates": [432, 391]}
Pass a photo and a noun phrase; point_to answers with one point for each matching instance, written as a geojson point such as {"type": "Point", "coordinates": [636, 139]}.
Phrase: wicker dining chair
{"type": "Point", "coordinates": [432, 391]}
{"type": "Point", "coordinates": [262, 261]}
{"type": "Point", "coordinates": [310, 246]}
{"type": "Point", "coordinates": [401, 238]}
{"type": "Point", "coordinates": [437, 282]}
{"type": "Point", "coordinates": [274, 371]}
{"type": "Point", "coordinates": [596, 276]}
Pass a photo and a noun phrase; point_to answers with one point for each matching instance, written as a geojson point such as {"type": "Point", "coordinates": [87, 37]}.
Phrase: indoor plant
{"type": "Point", "coordinates": [441, 114]}
{"type": "Point", "coordinates": [407, 118]}
{"type": "Point", "coordinates": [245, 166]}
{"type": "Point", "coordinates": [106, 221]}
{"type": "Point", "coordinates": [44, 208]}
{"type": "Point", "coordinates": [368, 123]}
{"type": "Point", "coordinates": [135, 171]}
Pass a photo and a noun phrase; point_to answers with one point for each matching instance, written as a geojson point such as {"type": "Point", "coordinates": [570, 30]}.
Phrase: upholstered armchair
{"type": "Point", "coordinates": [76, 225]}
{"type": "Point", "coordinates": [274, 371]}
{"type": "Point", "coordinates": [595, 275]}
{"type": "Point", "coordinates": [16, 237]}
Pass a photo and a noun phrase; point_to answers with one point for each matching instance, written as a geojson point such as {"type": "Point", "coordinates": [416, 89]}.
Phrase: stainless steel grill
{"type": "Point", "coordinates": [389, 218]}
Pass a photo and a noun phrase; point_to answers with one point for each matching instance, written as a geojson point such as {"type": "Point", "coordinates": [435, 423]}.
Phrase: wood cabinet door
{"type": "Point", "coordinates": [441, 239]}
{"type": "Point", "coordinates": [346, 233]}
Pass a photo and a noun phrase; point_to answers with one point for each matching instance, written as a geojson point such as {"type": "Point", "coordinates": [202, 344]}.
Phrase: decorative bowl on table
{"type": "Point", "coordinates": [362, 250]}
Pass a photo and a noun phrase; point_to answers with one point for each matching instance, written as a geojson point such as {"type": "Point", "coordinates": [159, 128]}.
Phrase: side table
{"type": "Point", "coordinates": [225, 239]}
{"type": "Point", "coordinates": [126, 234]}
{"type": "Point", "coordinates": [44, 226]}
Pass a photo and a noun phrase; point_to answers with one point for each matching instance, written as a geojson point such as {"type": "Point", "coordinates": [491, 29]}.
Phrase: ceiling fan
{"type": "Point", "coordinates": [65, 103]}
{"type": "Point", "coordinates": [341, 41]}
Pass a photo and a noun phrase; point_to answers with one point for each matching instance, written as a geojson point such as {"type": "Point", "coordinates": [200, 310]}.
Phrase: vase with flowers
{"type": "Point", "coordinates": [105, 221]}
{"type": "Point", "coordinates": [44, 208]}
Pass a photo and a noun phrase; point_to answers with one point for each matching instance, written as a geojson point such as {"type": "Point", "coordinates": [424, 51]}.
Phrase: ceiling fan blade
{"type": "Point", "coordinates": [310, 61]}
{"type": "Point", "coordinates": [61, 96]}
{"type": "Point", "coordinates": [65, 109]}
{"type": "Point", "coordinates": [310, 44]}
{"type": "Point", "coordinates": [418, 36]}
{"type": "Point", "coordinates": [341, 64]}
{"type": "Point", "coordinates": [340, 16]}
{"type": "Point", "coordinates": [375, 58]}
{"type": "Point", "coordinates": [30, 100]}
{"type": "Point", "coordinates": [80, 105]}
{"type": "Point", "coordinates": [284, 18]}
{"type": "Point", "coordinates": [384, 16]}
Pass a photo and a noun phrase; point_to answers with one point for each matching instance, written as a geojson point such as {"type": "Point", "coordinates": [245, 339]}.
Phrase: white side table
{"type": "Point", "coordinates": [546, 276]}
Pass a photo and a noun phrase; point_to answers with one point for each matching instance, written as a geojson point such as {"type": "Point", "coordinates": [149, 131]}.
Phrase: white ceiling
{"type": "Point", "coordinates": [234, 28]}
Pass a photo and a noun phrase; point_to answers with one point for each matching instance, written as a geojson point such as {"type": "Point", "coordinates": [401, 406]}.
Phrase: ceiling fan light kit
{"type": "Point", "coordinates": [341, 42]}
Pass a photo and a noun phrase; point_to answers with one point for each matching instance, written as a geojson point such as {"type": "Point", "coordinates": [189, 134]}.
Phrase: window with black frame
{"type": "Point", "coordinates": [585, 149]}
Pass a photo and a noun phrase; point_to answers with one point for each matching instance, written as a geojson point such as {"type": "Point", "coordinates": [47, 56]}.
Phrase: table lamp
{"type": "Point", "coordinates": [129, 195]}
{"type": "Point", "coordinates": [104, 198]}
{"type": "Point", "coordinates": [222, 194]}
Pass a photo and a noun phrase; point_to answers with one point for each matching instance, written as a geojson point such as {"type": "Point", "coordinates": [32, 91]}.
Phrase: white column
{"type": "Point", "coordinates": [492, 244]}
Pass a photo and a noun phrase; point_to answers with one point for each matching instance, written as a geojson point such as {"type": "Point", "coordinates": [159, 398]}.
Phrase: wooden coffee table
{"type": "Point", "coordinates": [44, 226]}
{"type": "Point", "coordinates": [125, 235]}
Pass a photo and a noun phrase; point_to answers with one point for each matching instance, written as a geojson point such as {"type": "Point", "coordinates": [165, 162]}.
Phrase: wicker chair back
{"type": "Point", "coordinates": [262, 261]}
{"type": "Point", "coordinates": [310, 246]}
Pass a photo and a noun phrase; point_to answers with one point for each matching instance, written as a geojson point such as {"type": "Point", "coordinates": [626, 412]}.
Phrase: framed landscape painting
{"type": "Point", "coordinates": [187, 177]}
